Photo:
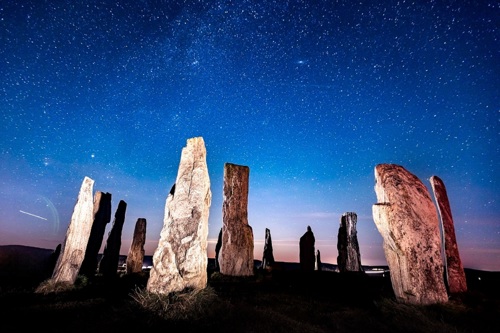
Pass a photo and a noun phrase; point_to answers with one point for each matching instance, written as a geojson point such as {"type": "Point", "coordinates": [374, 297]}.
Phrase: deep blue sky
{"type": "Point", "coordinates": [310, 95]}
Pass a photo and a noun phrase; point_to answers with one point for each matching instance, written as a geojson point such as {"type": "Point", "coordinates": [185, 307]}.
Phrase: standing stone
{"type": "Point", "coordinates": [318, 261]}
{"type": "Point", "coordinates": [349, 259]}
{"type": "Point", "coordinates": [306, 247]}
{"type": "Point", "coordinates": [135, 257]}
{"type": "Point", "coordinates": [180, 260]}
{"type": "Point", "coordinates": [108, 266]}
{"type": "Point", "coordinates": [102, 216]}
{"type": "Point", "coordinates": [77, 236]}
{"type": "Point", "coordinates": [267, 257]}
{"type": "Point", "coordinates": [455, 274]}
{"type": "Point", "coordinates": [407, 220]}
{"type": "Point", "coordinates": [217, 250]}
{"type": "Point", "coordinates": [236, 254]}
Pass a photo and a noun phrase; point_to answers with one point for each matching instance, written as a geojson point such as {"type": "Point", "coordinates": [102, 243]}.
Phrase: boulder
{"type": "Point", "coordinates": [455, 275]}
{"type": "Point", "coordinates": [349, 258]}
{"type": "Point", "coordinates": [180, 260]}
{"type": "Point", "coordinates": [407, 220]}
{"type": "Point", "coordinates": [135, 255]}
{"type": "Point", "coordinates": [77, 236]}
{"type": "Point", "coordinates": [306, 249]}
{"type": "Point", "coordinates": [102, 216]}
{"type": "Point", "coordinates": [108, 266]}
{"type": "Point", "coordinates": [236, 254]}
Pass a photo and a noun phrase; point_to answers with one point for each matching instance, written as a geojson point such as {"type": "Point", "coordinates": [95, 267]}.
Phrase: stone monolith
{"type": "Point", "coordinates": [135, 257]}
{"type": "Point", "coordinates": [318, 261]}
{"type": "Point", "coordinates": [455, 275]}
{"type": "Point", "coordinates": [267, 256]}
{"type": "Point", "coordinates": [349, 258]}
{"type": "Point", "coordinates": [108, 266]}
{"type": "Point", "coordinates": [77, 236]}
{"type": "Point", "coordinates": [180, 260]}
{"type": "Point", "coordinates": [217, 250]}
{"type": "Point", "coordinates": [102, 216]}
{"type": "Point", "coordinates": [236, 254]}
{"type": "Point", "coordinates": [407, 219]}
{"type": "Point", "coordinates": [306, 247]}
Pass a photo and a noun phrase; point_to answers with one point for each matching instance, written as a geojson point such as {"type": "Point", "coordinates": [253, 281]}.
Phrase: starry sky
{"type": "Point", "coordinates": [310, 95]}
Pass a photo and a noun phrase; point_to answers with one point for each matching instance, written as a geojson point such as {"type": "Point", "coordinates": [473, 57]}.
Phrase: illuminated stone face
{"type": "Point", "coordinates": [406, 218]}
{"type": "Point", "coordinates": [236, 253]}
{"type": "Point", "coordinates": [180, 260]}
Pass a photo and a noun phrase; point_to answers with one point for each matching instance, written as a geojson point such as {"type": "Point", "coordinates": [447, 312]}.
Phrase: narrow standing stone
{"type": "Point", "coordinates": [180, 260]}
{"type": "Point", "coordinates": [236, 254]}
{"type": "Point", "coordinates": [349, 258]}
{"type": "Point", "coordinates": [217, 250]}
{"type": "Point", "coordinates": [318, 261]}
{"type": "Point", "coordinates": [102, 216]}
{"type": "Point", "coordinates": [135, 257]}
{"type": "Point", "coordinates": [306, 248]}
{"type": "Point", "coordinates": [267, 257]}
{"type": "Point", "coordinates": [455, 275]}
{"type": "Point", "coordinates": [407, 219]}
{"type": "Point", "coordinates": [108, 266]}
{"type": "Point", "coordinates": [73, 249]}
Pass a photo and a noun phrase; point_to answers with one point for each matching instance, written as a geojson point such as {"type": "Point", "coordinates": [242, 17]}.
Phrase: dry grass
{"type": "Point", "coordinates": [186, 304]}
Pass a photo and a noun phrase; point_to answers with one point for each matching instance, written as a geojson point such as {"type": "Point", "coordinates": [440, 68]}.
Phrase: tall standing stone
{"type": "Point", "coordinates": [180, 260]}
{"type": "Point", "coordinates": [108, 266]}
{"type": "Point", "coordinates": [454, 270]}
{"type": "Point", "coordinates": [306, 248]}
{"type": "Point", "coordinates": [77, 236]}
{"type": "Point", "coordinates": [349, 258]}
{"type": "Point", "coordinates": [236, 254]}
{"type": "Point", "coordinates": [268, 256]}
{"type": "Point", "coordinates": [135, 257]}
{"type": "Point", "coordinates": [407, 220]}
{"type": "Point", "coordinates": [102, 216]}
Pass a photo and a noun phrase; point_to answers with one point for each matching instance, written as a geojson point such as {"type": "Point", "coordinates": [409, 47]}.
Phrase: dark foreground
{"type": "Point", "coordinates": [280, 301]}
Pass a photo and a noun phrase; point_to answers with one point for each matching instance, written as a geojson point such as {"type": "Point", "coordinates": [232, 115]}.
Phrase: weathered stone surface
{"type": "Point", "coordinates": [306, 247]}
{"type": "Point", "coordinates": [455, 275]}
{"type": "Point", "coordinates": [108, 266]}
{"type": "Point", "coordinates": [180, 260]}
{"type": "Point", "coordinates": [268, 256]}
{"type": "Point", "coordinates": [407, 220]}
{"type": "Point", "coordinates": [135, 257]}
{"type": "Point", "coordinates": [236, 254]}
{"type": "Point", "coordinates": [102, 216]}
{"type": "Point", "coordinates": [318, 261]}
{"type": "Point", "coordinates": [217, 250]}
{"type": "Point", "coordinates": [349, 258]}
{"type": "Point", "coordinates": [77, 236]}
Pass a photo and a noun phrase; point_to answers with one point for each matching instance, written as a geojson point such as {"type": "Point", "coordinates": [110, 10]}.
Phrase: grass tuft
{"type": "Point", "coordinates": [186, 304]}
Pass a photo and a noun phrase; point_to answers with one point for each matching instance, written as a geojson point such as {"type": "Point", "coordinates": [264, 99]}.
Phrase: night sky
{"type": "Point", "coordinates": [310, 95]}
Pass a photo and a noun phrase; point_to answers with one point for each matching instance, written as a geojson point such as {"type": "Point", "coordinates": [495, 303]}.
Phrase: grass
{"type": "Point", "coordinates": [286, 301]}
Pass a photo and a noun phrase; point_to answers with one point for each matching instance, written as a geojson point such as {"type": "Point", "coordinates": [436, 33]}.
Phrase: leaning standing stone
{"type": "Point", "coordinates": [77, 236]}
{"type": "Point", "coordinates": [454, 269]}
{"type": "Point", "coordinates": [108, 266]}
{"type": "Point", "coordinates": [180, 260]}
{"type": "Point", "coordinates": [135, 255]}
{"type": "Point", "coordinates": [236, 253]}
{"type": "Point", "coordinates": [407, 220]}
{"type": "Point", "coordinates": [102, 216]}
{"type": "Point", "coordinates": [268, 256]}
